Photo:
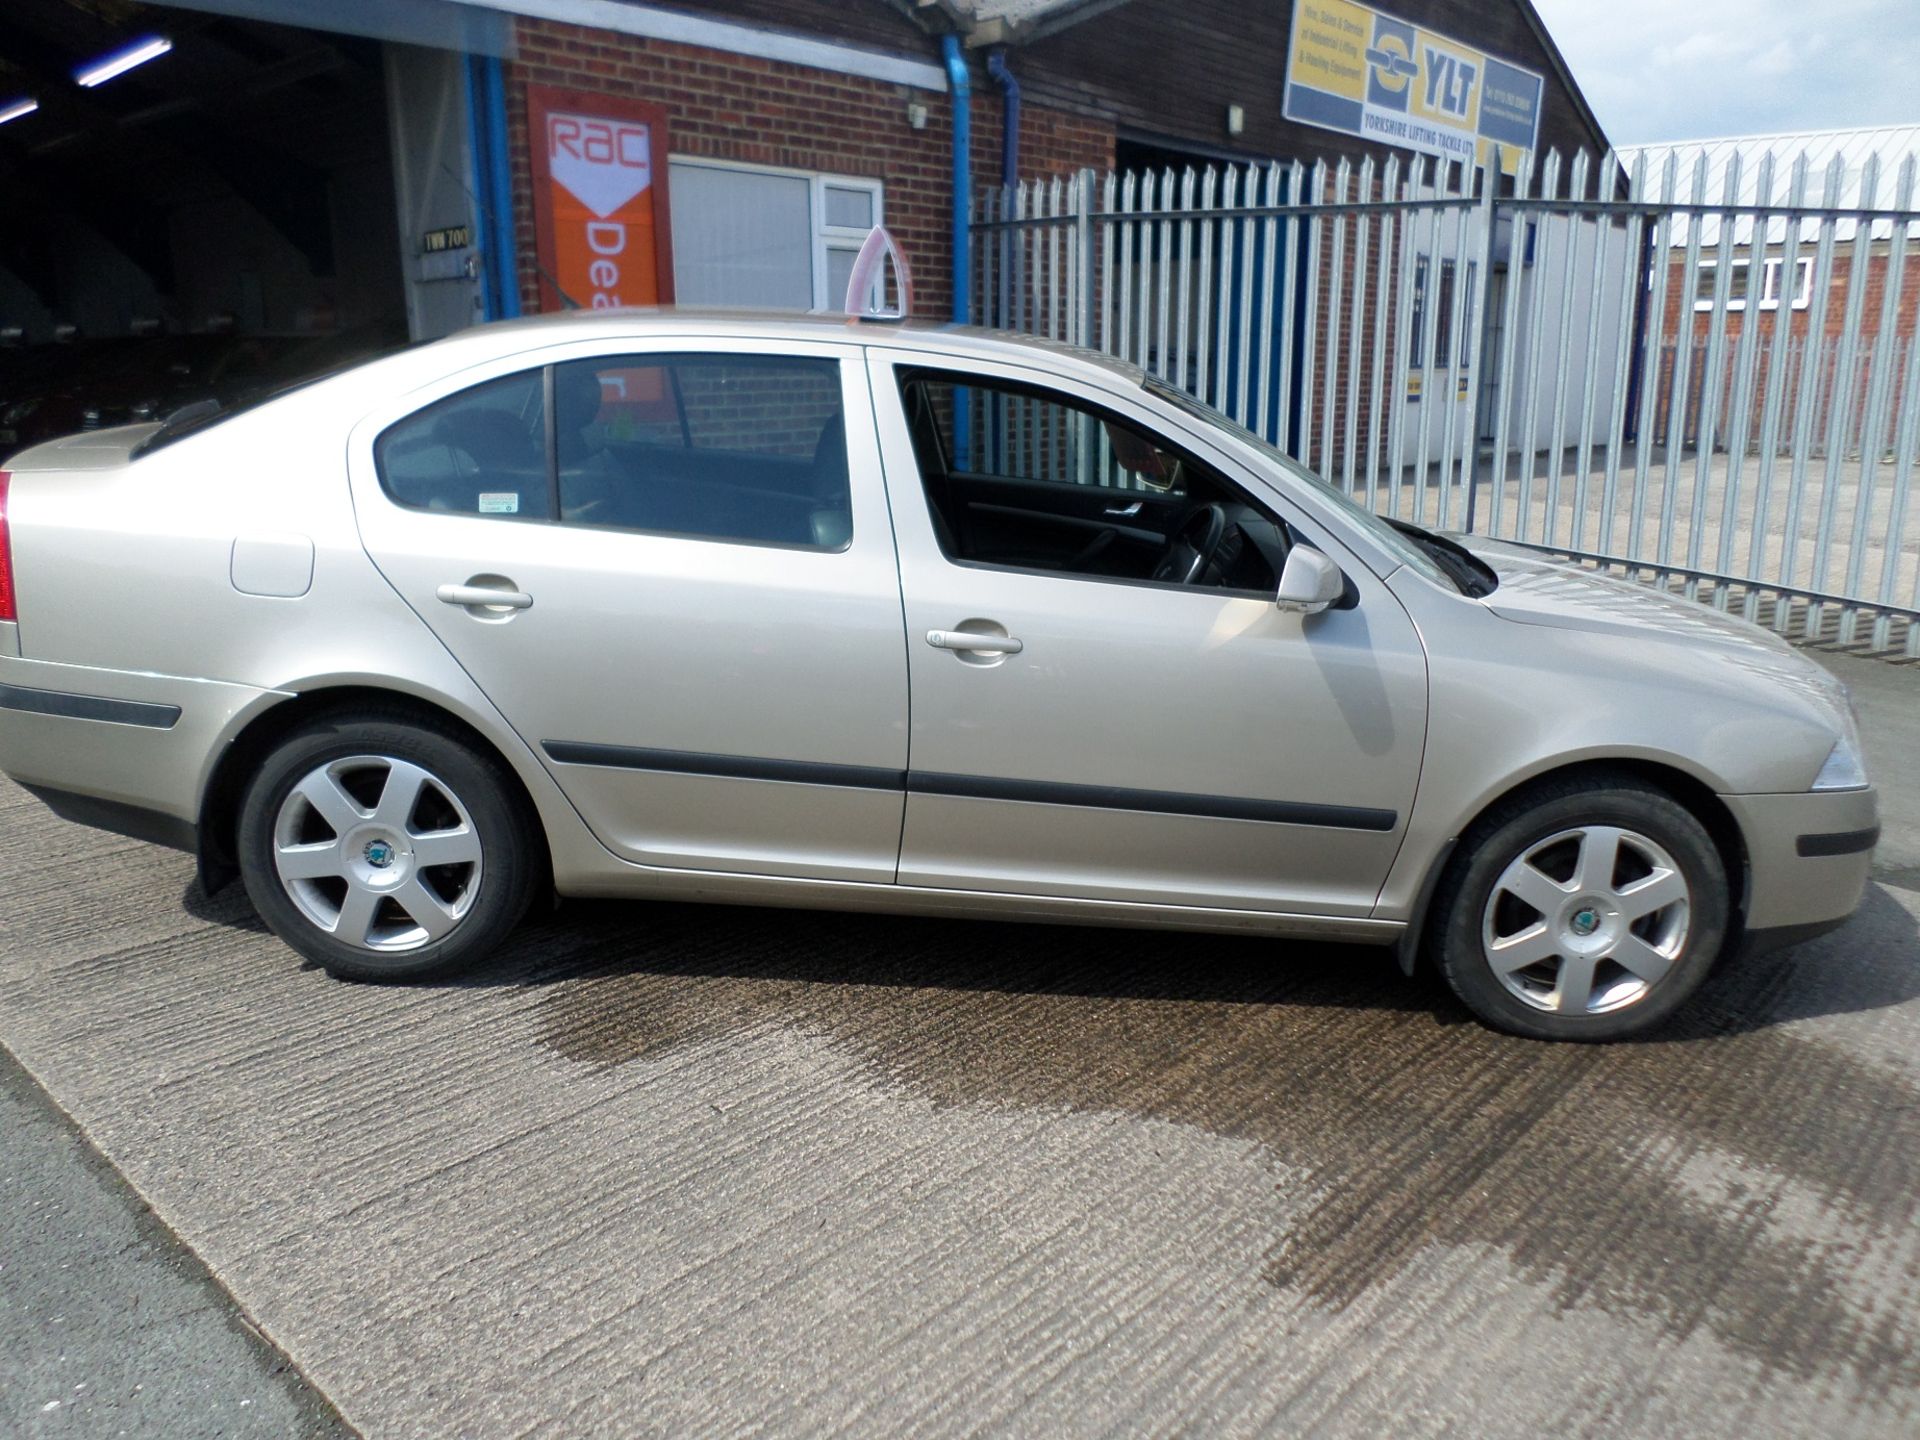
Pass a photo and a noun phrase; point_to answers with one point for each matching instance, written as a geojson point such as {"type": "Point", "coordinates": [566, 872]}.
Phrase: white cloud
{"type": "Point", "coordinates": [1686, 69]}
{"type": "Point", "coordinates": [1780, 60]}
{"type": "Point", "coordinates": [1699, 49]}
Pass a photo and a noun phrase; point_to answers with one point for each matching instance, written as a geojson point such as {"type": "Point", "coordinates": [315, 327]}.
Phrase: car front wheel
{"type": "Point", "coordinates": [385, 850]}
{"type": "Point", "coordinates": [1582, 910]}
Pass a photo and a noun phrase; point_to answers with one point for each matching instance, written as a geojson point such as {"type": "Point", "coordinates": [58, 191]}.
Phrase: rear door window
{"type": "Point", "coordinates": [750, 449]}
{"type": "Point", "coordinates": [745, 448]}
{"type": "Point", "coordinates": [480, 452]}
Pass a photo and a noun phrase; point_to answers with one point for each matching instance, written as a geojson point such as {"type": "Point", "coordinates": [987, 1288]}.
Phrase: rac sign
{"type": "Point", "coordinates": [599, 201]}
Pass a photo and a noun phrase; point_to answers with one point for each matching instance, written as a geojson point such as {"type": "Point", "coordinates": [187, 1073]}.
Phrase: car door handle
{"type": "Point", "coordinates": [975, 641]}
{"type": "Point", "coordinates": [1128, 510]}
{"type": "Point", "coordinates": [471, 596]}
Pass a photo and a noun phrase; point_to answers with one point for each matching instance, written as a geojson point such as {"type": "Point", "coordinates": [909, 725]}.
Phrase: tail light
{"type": "Point", "coordinates": [8, 610]}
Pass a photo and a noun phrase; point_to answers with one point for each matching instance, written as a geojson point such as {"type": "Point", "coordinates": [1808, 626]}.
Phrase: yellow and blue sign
{"type": "Point", "coordinates": [1374, 76]}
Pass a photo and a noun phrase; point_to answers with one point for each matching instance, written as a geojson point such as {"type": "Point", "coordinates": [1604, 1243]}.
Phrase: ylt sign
{"type": "Point", "coordinates": [600, 203]}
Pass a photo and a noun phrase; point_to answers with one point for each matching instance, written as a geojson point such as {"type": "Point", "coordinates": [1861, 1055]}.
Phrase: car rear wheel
{"type": "Point", "coordinates": [385, 850]}
{"type": "Point", "coordinates": [1582, 910]}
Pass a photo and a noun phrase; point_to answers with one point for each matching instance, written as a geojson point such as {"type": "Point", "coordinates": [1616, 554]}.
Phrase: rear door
{"type": "Point", "coordinates": [681, 592]}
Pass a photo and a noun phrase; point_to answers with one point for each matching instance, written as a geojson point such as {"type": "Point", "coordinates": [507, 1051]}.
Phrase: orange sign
{"type": "Point", "coordinates": [635, 396]}
{"type": "Point", "coordinates": [599, 200]}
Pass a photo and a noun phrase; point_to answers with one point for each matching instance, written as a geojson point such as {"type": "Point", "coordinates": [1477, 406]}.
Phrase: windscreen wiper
{"type": "Point", "coordinates": [1471, 574]}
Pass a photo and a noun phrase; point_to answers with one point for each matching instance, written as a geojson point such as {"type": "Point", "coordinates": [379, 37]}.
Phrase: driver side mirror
{"type": "Point", "coordinates": [1310, 582]}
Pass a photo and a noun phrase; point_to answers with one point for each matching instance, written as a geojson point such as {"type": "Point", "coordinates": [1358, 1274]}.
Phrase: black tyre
{"type": "Point", "coordinates": [1586, 909]}
{"type": "Point", "coordinates": [384, 849]}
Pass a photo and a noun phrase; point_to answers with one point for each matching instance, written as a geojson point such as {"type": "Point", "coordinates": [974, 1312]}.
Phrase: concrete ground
{"type": "Point", "coordinates": [1888, 699]}
{"type": "Point", "coordinates": [672, 1170]}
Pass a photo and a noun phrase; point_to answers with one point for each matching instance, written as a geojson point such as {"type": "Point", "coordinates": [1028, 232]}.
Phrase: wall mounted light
{"type": "Point", "coordinates": [1236, 119]}
{"type": "Point", "coordinates": [121, 61]}
{"type": "Point", "coordinates": [917, 116]}
{"type": "Point", "coordinates": [17, 109]}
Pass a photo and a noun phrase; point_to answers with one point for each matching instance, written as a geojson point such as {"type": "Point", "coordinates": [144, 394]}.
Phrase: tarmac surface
{"type": "Point", "coordinates": [108, 1324]}
{"type": "Point", "coordinates": [677, 1170]}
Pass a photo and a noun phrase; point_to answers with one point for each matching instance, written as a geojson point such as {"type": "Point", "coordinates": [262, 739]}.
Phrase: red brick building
{"type": "Point", "coordinates": [786, 126]}
{"type": "Point", "coordinates": [1093, 77]}
{"type": "Point", "coordinates": [784, 120]}
{"type": "Point", "coordinates": [1798, 286]}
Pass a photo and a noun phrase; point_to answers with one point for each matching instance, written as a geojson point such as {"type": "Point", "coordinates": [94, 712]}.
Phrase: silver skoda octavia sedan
{"type": "Point", "coordinates": [800, 612]}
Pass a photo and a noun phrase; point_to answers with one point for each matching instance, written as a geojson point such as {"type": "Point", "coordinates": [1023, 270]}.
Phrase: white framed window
{"type": "Point", "coordinates": [1740, 284]}
{"type": "Point", "coordinates": [1442, 315]}
{"type": "Point", "coordinates": [844, 212]}
{"type": "Point", "coordinates": [1803, 286]}
{"type": "Point", "coordinates": [1707, 283]}
{"type": "Point", "coordinates": [758, 236]}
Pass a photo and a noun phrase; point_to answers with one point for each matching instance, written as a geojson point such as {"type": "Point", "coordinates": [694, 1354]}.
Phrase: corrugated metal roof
{"type": "Point", "coordinates": [1841, 173]}
{"type": "Point", "coordinates": [1014, 11]}
{"type": "Point", "coordinates": [996, 22]}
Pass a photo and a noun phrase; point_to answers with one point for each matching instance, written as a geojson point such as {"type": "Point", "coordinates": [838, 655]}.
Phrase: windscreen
{"type": "Point", "coordinates": [1377, 529]}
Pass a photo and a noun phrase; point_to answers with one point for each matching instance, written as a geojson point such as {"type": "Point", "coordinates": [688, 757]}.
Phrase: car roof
{"type": "Point", "coordinates": [502, 336]}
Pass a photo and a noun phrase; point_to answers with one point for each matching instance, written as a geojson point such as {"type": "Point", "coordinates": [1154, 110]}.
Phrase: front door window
{"type": "Point", "coordinates": [1024, 478]}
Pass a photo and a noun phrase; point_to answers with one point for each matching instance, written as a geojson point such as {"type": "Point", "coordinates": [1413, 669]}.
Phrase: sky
{"type": "Point", "coordinates": [1658, 70]}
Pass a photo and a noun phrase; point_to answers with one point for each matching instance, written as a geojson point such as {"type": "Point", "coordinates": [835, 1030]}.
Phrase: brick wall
{"type": "Point", "coordinates": [1677, 408]}
{"type": "Point", "coordinates": [765, 112]}
{"type": "Point", "coordinates": [1876, 276]}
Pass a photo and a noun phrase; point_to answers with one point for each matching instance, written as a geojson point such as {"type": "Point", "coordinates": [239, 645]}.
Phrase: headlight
{"type": "Point", "coordinates": [1843, 770]}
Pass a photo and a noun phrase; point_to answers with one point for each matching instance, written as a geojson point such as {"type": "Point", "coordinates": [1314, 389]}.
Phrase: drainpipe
{"type": "Point", "coordinates": [1010, 128]}
{"type": "Point", "coordinates": [1009, 177]}
{"type": "Point", "coordinates": [962, 89]}
{"type": "Point", "coordinates": [492, 187]}
{"type": "Point", "coordinates": [962, 216]}
{"type": "Point", "coordinates": [500, 150]}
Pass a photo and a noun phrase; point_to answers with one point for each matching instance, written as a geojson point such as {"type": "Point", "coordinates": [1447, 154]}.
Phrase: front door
{"type": "Point", "coordinates": [671, 568]}
{"type": "Point", "coordinates": [1106, 701]}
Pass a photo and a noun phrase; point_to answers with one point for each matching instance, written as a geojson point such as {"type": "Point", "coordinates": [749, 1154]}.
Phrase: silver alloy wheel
{"type": "Point", "coordinates": [377, 852]}
{"type": "Point", "coordinates": [1586, 921]}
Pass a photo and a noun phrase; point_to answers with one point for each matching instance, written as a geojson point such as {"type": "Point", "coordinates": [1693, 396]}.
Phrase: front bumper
{"type": "Point", "coordinates": [128, 739]}
{"type": "Point", "coordinates": [1808, 856]}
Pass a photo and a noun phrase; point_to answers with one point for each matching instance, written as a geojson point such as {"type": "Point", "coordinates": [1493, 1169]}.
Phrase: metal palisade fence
{"type": "Point", "coordinates": [1709, 381]}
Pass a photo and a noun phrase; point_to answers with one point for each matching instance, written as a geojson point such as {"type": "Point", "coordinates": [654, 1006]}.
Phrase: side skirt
{"type": "Point", "coordinates": [709, 887]}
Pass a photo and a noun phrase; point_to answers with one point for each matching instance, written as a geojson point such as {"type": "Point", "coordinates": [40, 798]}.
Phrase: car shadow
{"type": "Point", "coordinates": [1870, 964]}
{"type": "Point", "coordinates": [1658, 1180]}
{"type": "Point", "coordinates": [228, 907]}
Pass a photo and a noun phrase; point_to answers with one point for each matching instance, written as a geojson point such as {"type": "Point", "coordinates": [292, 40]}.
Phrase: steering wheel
{"type": "Point", "coordinates": [1193, 546]}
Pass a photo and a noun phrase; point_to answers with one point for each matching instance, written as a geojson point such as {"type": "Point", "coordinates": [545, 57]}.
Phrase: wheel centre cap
{"type": "Point", "coordinates": [1586, 920]}
{"type": "Point", "coordinates": [377, 857]}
